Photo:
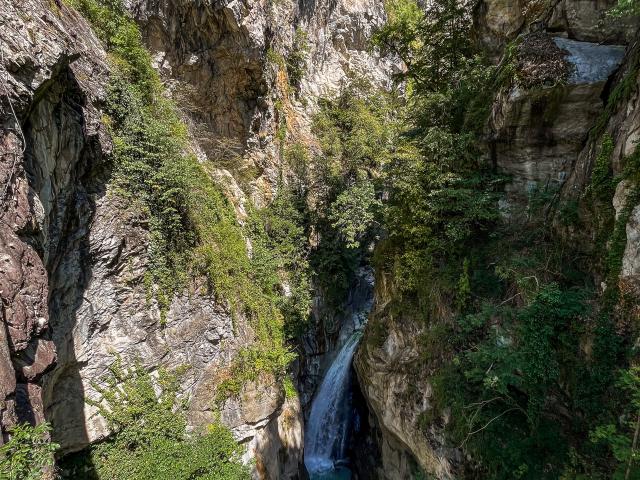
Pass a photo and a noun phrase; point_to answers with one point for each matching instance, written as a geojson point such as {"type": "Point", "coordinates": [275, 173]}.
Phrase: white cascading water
{"type": "Point", "coordinates": [329, 421]}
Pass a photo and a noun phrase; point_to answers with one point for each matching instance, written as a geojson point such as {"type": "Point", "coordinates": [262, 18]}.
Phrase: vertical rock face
{"type": "Point", "coordinates": [339, 34]}
{"type": "Point", "coordinates": [219, 57]}
{"type": "Point", "coordinates": [214, 51]}
{"type": "Point", "coordinates": [73, 256]}
{"type": "Point", "coordinates": [544, 136]}
{"type": "Point", "coordinates": [399, 393]}
{"type": "Point", "coordinates": [538, 132]}
{"type": "Point", "coordinates": [51, 138]}
{"type": "Point", "coordinates": [623, 127]}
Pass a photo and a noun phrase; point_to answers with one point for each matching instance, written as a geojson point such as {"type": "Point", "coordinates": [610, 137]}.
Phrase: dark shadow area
{"type": "Point", "coordinates": [67, 173]}
{"type": "Point", "coordinates": [364, 450]}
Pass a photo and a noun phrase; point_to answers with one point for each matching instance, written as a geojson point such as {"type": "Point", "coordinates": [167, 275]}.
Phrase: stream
{"type": "Point", "coordinates": [331, 416]}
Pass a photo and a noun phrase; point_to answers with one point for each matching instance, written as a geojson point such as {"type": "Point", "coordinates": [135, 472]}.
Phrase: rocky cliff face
{"type": "Point", "coordinates": [398, 393]}
{"type": "Point", "coordinates": [546, 136]}
{"type": "Point", "coordinates": [52, 145]}
{"type": "Point", "coordinates": [74, 256]}
{"type": "Point", "coordinates": [214, 54]}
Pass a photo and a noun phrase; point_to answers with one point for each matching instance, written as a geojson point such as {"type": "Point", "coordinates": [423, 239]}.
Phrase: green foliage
{"type": "Point", "coordinates": [356, 132]}
{"type": "Point", "coordinates": [134, 411]}
{"type": "Point", "coordinates": [464, 286]}
{"type": "Point", "coordinates": [149, 441]}
{"type": "Point", "coordinates": [297, 58]}
{"type": "Point", "coordinates": [625, 8]}
{"type": "Point", "coordinates": [297, 159]}
{"type": "Point", "coordinates": [602, 184]}
{"type": "Point", "coordinates": [524, 354]}
{"type": "Point", "coordinates": [121, 36]}
{"type": "Point", "coordinates": [28, 454]}
{"type": "Point", "coordinates": [353, 212]}
{"type": "Point", "coordinates": [275, 290]}
{"type": "Point", "coordinates": [249, 365]}
{"type": "Point", "coordinates": [441, 194]}
{"type": "Point", "coordinates": [524, 358]}
{"type": "Point", "coordinates": [433, 211]}
{"type": "Point", "coordinates": [275, 58]}
{"type": "Point", "coordinates": [150, 166]}
{"type": "Point", "coordinates": [290, 389]}
{"type": "Point", "coordinates": [433, 42]}
{"type": "Point", "coordinates": [279, 258]}
{"type": "Point", "coordinates": [622, 439]}
{"type": "Point", "coordinates": [212, 456]}
{"type": "Point", "coordinates": [271, 285]}
{"type": "Point", "coordinates": [401, 34]}
{"type": "Point", "coordinates": [193, 226]}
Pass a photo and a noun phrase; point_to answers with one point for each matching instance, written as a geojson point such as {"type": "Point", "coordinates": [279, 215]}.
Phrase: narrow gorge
{"type": "Point", "coordinates": [319, 239]}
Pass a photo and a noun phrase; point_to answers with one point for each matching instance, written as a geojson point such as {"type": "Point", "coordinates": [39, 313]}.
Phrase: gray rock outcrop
{"type": "Point", "coordinates": [73, 255]}
{"type": "Point", "coordinates": [546, 138]}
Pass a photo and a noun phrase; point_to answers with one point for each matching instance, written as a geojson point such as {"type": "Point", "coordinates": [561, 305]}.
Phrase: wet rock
{"type": "Point", "coordinates": [539, 131]}
{"type": "Point", "coordinates": [592, 63]}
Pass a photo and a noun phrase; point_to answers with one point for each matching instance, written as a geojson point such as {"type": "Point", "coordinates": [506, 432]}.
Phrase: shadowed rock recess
{"type": "Point", "coordinates": [288, 307]}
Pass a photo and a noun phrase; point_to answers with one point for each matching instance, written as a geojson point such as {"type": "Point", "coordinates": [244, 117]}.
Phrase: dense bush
{"type": "Point", "coordinates": [525, 354]}
{"type": "Point", "coordinates": [28, 454]}
{"type": "Point", "coordinates": [149, 439]}
{"type": "Point", "coordinates": [519, 365]}
{"type": "Point", "coordinates": [346, 182]}
{"type": "Point", "coordinates": [441, 194]}
{"type": "Point", "coordinates": [279, 257]}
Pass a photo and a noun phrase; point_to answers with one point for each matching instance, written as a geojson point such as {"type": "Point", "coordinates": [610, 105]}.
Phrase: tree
{"type": "Point", "coordinates": [441, 193]}
{"type": "Point", "coordinates": [354, 212]}
{"type": "Point", "coordinates": [434, 42]}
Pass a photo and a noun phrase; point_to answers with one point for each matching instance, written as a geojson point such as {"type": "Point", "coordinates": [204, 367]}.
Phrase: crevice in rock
{"type": "Point", "coordinates": [364, 446]}
{"type": "Point", "coordinates": [60, 165]}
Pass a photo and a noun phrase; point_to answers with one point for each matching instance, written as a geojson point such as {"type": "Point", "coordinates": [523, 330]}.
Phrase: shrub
{"type": "Point", "coordinates": [297, 58]}
{"type": "Point", "coordinates": [625, 7]}
{"type": "Point", "coordinates": [28, 454]}
{"type": "Point", "coordinates": [622, 438]}
{"type": "Point", "coordinates": [148, 433]}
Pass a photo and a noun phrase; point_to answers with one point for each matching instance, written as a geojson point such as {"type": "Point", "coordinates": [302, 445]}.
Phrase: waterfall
{"type": "Point", "coordinates": [329, 421]}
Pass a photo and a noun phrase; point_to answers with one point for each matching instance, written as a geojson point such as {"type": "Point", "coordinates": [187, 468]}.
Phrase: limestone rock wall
{"type": "Point", "coordinates": [544, 137]}
{"type": "Point", "coordinates": [218, 58]}
{"type": "Point", "coordinates": [73, 256]}
{"type": "Point", "coordinates": [398, 392]}
{"type": "Point", "coordinates": [537, 133]}
{"type": "Point", "coordinates": [51, 139]}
